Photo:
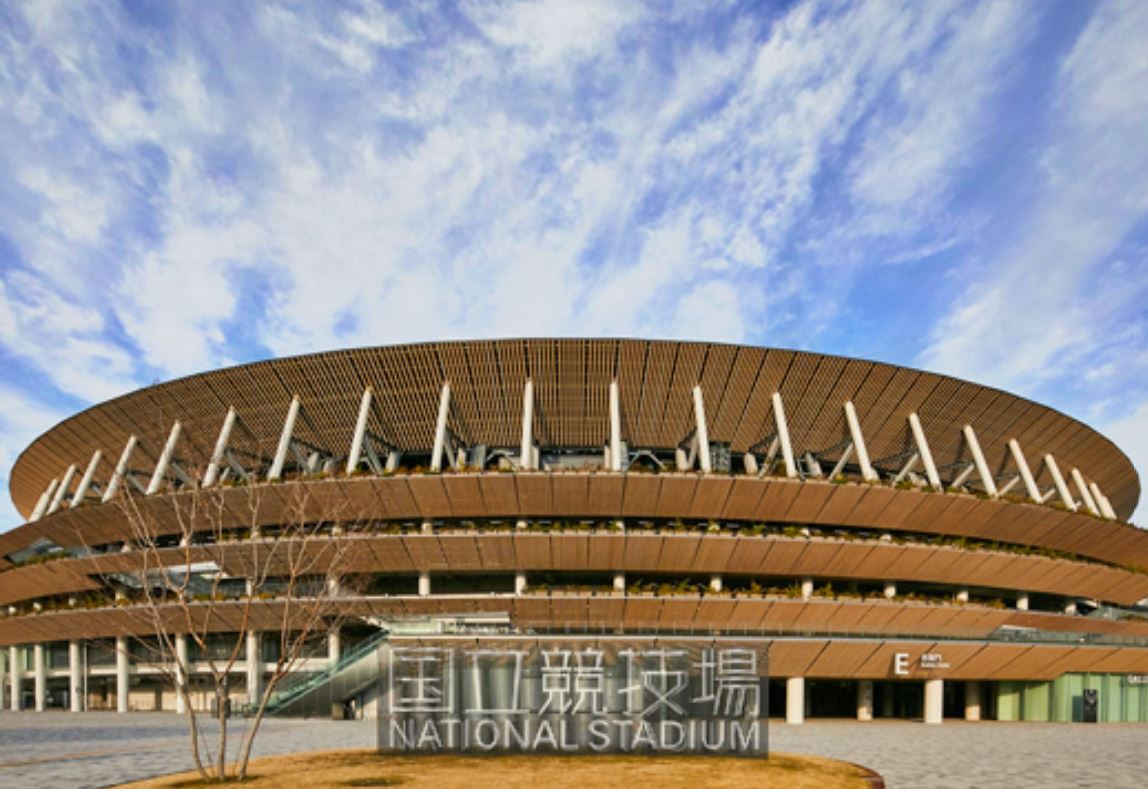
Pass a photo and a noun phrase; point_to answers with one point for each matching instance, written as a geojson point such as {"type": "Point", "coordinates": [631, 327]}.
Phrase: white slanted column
{"type": "Point", "coordinates": [783, 436]}
{"type": "Point", "coordinates": [526, 451]}
{"type": "Point", "coordinates": [254, 666]}
{"type": "Point", "coordinates": [40, 675]}
{"type": "Point", "coordinates": [1022, 601]}
{"type": "Point", "coordinates": [86, 480]}
{"type": "Point", "coordinates": [1058, 480]}
{"type": "Point", "coordinates": [75, 677]}
{"type": "Point", "coordinates": [702, 433]}
{"type": "Point", "coordinates": [157, 476]}
{"type": "Point", "coordinates": [926, 455]}
{"type": "Point", "coordinates": [120, 470]}
{"type": "Point", "coordinates": [45, 499]}
{"type": "Point", "coordinates": [16, 678]}
{"type": "Point", "coordinates": [1102, 502]}
{"type": "Point", "coordinates": [424, 584]}
{"type": "Point", "coordinates": [979, 459]}
{"type": "Point", "coordinates": [1025, 472]}
{"type": "Point", "coordinates": [123, 667]}
{"type": "Point", "coordinates": [1085, 493]}
{"type": "Point", "coordinates": [615, 429]}
{"type": "Point", "coordinates": [806, 588]}
{"type": "Point", "coordinates": [934, 701]}
{"type": "Point", "coordinates": [62, 491]}
{"type": "Point", "coordinates": [275, 474]}
{"type": "Point", "coordinates": [212, 474]}
{"type": "Point", "coordinates": [440, 428]}
{"type": "Point", "coordinates": [182, 672]}
{"type": "Point", "coordinates": [972, 700]}
{"type": "Point", "coordinates": [795, 700]}
{"type": "Point", "coordinates": [520, 583]}
{"type": "Point", "coordinates": [356, 451]}
{"type": "Point", "coordinates": [864, 699]}
{"type": "Point", "coordinates": [867, 472]}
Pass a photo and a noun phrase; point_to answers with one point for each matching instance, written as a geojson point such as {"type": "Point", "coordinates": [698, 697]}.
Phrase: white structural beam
{"type": "Point", "coordinates": [1025, 472]}
{"type": "Point", "coordinates": [1058, 480]}
{"type": "Point", "coordinates": [75, 677]}
{"type": "Point", "coordinates": [783, 435]}
{"type": "Point", "coordinates": [16, 679]}
{"type": "Point", "coordinates": [867, 472]}
{"type": "Point", "coordinates": [526, 452]}
{"type": "Point", "coordinates": [908, 467]}
{"type": "Point", "coordinates": [40, 677]}
{"type": "Point", "coordinates": [62, 491]}
{"type": "Point", "coordinates": [848, 453]}
{"type": "Point", "coordinates": [356, 451]}
{"type": "Point", "coordinates": [121, 469]}
{"type": "Point", "coordinates": [182, 672]}
{"type": "Point", "coordinates": [157, 476]}
{"type": "Point", "coordinates": [961, 478]}
{"type": "Point", "coordinates": [979, 458]}
{"type": "Point", "coordinates": [926, 456]}
{"type": "Point", "coordinates": [122, 669]}
{"type": "Point", "coordinates": [795, 701]}
{"type": "Point", "coordinates": [615, 428]}
{"type": "Point", "coordinates": [276, 472]}
{"type": "Point", "coordinates": [211, 476]}
{"type": "Point", "coordinates": [86, 480]}
{"type": "Point", "coordinates": [702, 434]}
{"type": "Point", "coordinates": [440, 428]}
{"type": "Point", "coordinates": [45, 500]}
{"type": "Point", "coordinates": [1102, 502]}
{"type": "Point", "coordinates": [1085, 493]}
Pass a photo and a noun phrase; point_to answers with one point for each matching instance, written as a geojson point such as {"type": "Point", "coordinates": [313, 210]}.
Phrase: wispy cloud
{"type": "Point", "coordinates": [188, 186]}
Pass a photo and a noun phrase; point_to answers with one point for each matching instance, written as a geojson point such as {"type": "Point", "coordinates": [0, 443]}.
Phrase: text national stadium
{"type": "Point", "coordinates": [579, 544]}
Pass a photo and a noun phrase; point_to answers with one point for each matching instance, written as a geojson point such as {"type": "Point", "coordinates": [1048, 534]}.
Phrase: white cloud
{"type": "Point", "coordinates": [22, 418]}
{"type": "Point", "coordinates": [1130, 433]}
{"type": "Point", "coordinates": [1043, 307]}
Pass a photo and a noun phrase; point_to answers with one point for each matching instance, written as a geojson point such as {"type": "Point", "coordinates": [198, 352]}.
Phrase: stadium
{"type": "Point", "coordinates": [907, 544]}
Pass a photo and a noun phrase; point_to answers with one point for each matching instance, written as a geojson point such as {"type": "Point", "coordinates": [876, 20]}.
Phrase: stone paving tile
{"type": "Point", "coordinates": [57, 749]}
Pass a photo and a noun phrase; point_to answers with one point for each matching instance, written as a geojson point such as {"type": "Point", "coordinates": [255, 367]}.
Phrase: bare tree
{"type": "Point", "coordinates": [205, 565]}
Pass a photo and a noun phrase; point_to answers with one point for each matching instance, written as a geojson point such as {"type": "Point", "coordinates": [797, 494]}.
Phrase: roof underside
{"type": "Point", "coordinates": [571, 383]}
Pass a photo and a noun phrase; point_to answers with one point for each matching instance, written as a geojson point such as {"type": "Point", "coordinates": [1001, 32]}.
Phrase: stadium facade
{"type": "Point", "coordinates": [906, 544]}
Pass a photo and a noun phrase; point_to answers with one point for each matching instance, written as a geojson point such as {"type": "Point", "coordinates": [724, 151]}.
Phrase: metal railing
{"type": "Point", "coordinates": [282, 698]}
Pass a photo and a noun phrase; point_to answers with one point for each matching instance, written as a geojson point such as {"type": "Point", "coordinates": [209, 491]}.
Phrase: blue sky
{"type": "Point", "coordinates": [957, 186]}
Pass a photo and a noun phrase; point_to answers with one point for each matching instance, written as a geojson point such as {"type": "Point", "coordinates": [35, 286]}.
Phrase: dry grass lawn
{"type": "Point", "coordinates": [368, 768]}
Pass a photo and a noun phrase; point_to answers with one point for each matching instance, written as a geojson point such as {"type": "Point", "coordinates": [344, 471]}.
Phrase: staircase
{"type": "Point", "coordinates": [351, 674]}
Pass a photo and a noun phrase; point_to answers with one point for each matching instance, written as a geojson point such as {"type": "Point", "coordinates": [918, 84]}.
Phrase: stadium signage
{"type": "Point", "coordinates": [592, 696]}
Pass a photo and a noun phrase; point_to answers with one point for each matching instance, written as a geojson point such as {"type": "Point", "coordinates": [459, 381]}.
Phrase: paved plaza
{"type": "Point", "coordinates": [57, 749]}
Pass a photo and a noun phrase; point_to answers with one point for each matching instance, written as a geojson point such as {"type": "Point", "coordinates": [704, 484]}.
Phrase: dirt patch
{"type": "Point", "coordinates": [369, 768]}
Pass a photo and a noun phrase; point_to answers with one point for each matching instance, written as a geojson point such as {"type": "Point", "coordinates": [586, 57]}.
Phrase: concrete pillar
{"type": "Point", "coordinates": [795, 700]}
{"type": "Point", "coordinates": [16, 676]}
{"type": "Point", "coordinates": [1022, 601]}
{"type": "Point", "coordinates": [254, 666]}
{"type": "Point", "coordinates": [3, 679]}
{"type": "Point", "coordinates": [182, 670]}
{"type": "Point", "coordinates": [334, 646]}
{"type": "Point", "coordinates": [122, 668]}
{"type": "Point", "coordinates": [972, 701]}
{"type": "Point", "coordinates": [428, 527]}
{"type": "Point", "coordinates": [75, 677]}
{"type": "Point", "coordinates": [962, 595]}
{"type": "Point", "coordinates": [865, 700]}
{"type": "Point", "coordinates": [715, 583]}
{"type": "Point", "coordinates": [619, 582]}
{"type": "Point", "coordinates": [519, 583]}
{"type": "Point", "coordinates": [890, 589]}
{"type": "Point", "coordinates": [1070, 608]}
{"type": "Point", "coordinates": [934, 700]}
{"type": "Point", "coordinates": [424, 584]}
{"type": "Point", "coordinates": [806, 588]}
{"type": "Point", "coordinates": [41, 677]}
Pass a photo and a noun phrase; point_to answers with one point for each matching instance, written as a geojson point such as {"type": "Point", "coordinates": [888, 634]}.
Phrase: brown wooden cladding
{"type": "Point", "coordinates": [634, 552]}
{"type": "Point", "coordinates": [866, 655]}
{"type": "Point", "coordinates": [609, 496]}
{"type": "Point", "coordinates": [571, 379]}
